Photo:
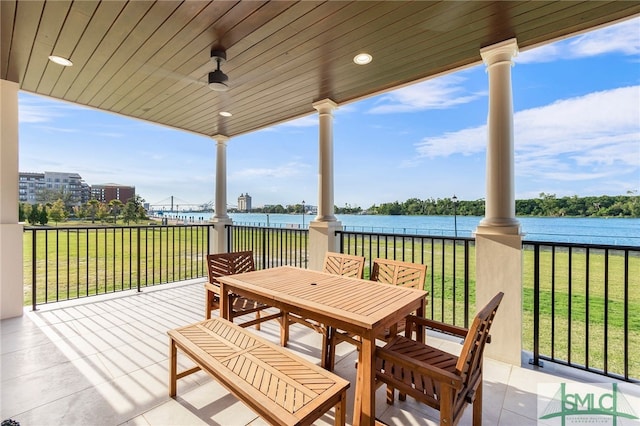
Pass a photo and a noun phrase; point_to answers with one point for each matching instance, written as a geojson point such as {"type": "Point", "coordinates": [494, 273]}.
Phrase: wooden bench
{"type": "Point", "coordinates": [281, 387]}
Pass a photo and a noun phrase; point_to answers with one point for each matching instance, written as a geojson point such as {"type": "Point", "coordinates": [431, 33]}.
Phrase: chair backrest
{"type": "Point", "coordinates": [347, 265]}
{"type": "Point", "coordinates": [222, 264]}
{"type": "Point", "coordinates": [469, 363]}
{"type": "Point", "coordinates": [395, 272]}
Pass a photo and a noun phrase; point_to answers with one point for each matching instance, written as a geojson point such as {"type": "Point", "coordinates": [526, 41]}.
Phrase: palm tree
{"type": "Point", "coordinates": [92, 206]}
{"type": "Point", "coordinates": [116, 206]}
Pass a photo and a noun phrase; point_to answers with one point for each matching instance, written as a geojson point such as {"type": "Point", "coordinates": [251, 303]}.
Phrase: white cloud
{"type": "Point", "coordinates": [56, 129]}
{"type": "Point", "coordinates": [587, 137]}
{"type": "Point", "coordinates": [466, 142]}
{"type": "Point", "coordinates": [38, 109]}
{"type": "Point", "coordinates": [440, 93]}
{"type": "Point", "coordinates": [623, 38]}
{"type": "Point", "coordinates": [281, 172]}
{"type": "Point", "coordinates": [37, 113]}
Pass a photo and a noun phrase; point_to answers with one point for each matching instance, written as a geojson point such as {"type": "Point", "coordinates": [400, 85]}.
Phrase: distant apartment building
{"type": "Point", "coordinates": [113, 191]}
{"type": "Point", "coordinates": [31, 186]}
{"type": "Point", "coordinates": [244, 203]}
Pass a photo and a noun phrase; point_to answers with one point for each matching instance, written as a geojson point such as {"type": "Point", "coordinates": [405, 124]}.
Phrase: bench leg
{"type": "Point", "coordinates": [173, 355]}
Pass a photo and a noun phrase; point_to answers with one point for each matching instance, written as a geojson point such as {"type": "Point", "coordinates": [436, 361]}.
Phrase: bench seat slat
{"type": "Point", "coordinates": [280, 386]}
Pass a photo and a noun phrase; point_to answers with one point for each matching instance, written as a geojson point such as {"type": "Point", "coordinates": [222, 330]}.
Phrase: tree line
{"type": "Point", "coordinates": [546, 205]}
{"type": "Point", "coordinates": [59, 211]}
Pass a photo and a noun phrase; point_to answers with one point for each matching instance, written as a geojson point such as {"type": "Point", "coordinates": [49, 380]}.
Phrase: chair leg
{"type": "Point", "coordinates": [477, 405]}
{"type": "Point", "coordinates": [446, 405]}
{"type": "Point", "coordinates": [328, 359]}
{"type": "Point", "coordinates": [390, 395]}
{"type": "Point", "coordinates": [207, 306]}
{"type": "Point", "coordinates": [324, 360]}
{"type": "Point", "coordinates": [258, 317]}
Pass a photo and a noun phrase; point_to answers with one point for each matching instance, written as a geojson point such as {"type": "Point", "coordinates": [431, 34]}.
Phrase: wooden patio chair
{"type": "Point", "coordinates": [396, 272]}
{"type": "Point", "coordinates": [388, 271]}
{"type": "Point", "coordinates": [439, 379]}
{"type": "Point", "coordinates": [346, 265]}
{"type": "Point", "coordinates": [222, 264]}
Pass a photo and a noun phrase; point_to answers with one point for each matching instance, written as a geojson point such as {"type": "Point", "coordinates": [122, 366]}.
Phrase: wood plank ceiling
{"type": "Point", "coordinates": [150, 60]}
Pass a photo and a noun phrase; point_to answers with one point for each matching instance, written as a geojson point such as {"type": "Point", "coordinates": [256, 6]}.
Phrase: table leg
{"type": "Point", "coordinates": [284, 328]}
{"type": "Point", "coordinates": [173, 352]}
{"type": "Point", "coordinates": [364, 411]}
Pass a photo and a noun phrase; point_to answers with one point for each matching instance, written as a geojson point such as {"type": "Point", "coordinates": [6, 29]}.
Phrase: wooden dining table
{"type": "Point", "coordinates": [364, 308]}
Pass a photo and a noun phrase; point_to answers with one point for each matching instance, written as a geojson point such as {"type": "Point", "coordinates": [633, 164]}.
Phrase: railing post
{"type": "Point", "coordinates": [34, 296]}
{"type": "Point", "coordinates": [264, 251]}
{"type": "Point", "coordinates": [229, 230]}
{"type": "Point", "coordinates": [138, 255]}
{"type": "Point", "coordinates": [466, 283]}
{"type": "Point", "coordinates": [536, 306]}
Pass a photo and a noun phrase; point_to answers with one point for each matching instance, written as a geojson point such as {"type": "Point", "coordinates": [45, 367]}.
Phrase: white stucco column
{"type": "Point", "coordinates": [322, 228]}
{"type": "Point", "coordinates": [325, 160]}
{"type": "Point", "coordinates": [11, 293]}
{"type": "Point", "coordinates": [500, 205]}
{"type": "Point", "coordinates": [218, 232]}
{"type": "Point", "coordinates": [498, 238]}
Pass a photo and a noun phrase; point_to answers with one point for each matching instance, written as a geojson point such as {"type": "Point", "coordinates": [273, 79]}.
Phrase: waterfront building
{"type": "Point", "coordinates": [244, 203]}
{"type": "Point", "coordinates": [113, 191]}
{"type": "Point", "coordinates": [31, 186]}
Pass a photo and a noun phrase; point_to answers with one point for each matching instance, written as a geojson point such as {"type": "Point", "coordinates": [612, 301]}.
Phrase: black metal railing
{"type": "Point", "coordinates": [581, 302]}
{"type": "Point", "coordinates": [450, 267]}
{"type": "Point", "coordinates": [72, 262]}
{"type": "Point", "coordinates": [271, 246]}
{"type": "Point", "coordinates": [581, 306]}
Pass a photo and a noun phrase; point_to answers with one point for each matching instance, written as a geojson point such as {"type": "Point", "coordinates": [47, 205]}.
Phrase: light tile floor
{"type": "Point", "coordinates": [104, 361]}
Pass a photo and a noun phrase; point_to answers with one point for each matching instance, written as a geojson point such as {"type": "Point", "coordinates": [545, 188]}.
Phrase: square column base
{"type": "Point", "coordinates": [218, 235]}
{"type": "Point", "coordinates": [11, 274]}
{"type": "Point", "coordinates": [322, 238]}
{"type": "Point", "coordinates": [499, 268]}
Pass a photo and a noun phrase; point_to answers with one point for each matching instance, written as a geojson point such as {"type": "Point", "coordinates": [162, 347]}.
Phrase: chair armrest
{"type": "Point", "coordinates": [436, 325]}
{"type": "Point", "coordinates": [214, 288]}
{"type": "Point", "coordinates": [443, 376]}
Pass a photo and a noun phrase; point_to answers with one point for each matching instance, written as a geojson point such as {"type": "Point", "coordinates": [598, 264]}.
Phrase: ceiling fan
{"type": "Point", "coordinates": [218, 80]}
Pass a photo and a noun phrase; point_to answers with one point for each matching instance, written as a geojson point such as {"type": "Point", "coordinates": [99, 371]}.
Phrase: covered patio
{"type": "Point", "coordinates": [152, 61]}
{"type": "Point", "coordinates": [104, 360]}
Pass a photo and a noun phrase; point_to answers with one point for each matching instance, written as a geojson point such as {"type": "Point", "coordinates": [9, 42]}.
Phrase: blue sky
{"type": "Point", "coordinates": [577, 132]}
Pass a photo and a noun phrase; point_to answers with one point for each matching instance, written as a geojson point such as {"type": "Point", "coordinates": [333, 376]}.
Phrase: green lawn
{"type": "Point", "coordinates": [100, 260]}
{"type": "Point", "coordinates": [597, 306]}
{"type": "Point", "coordinates": [577, 310]}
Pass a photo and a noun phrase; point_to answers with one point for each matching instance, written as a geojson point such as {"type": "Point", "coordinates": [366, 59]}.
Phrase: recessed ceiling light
{"type": "Point", "coordinates": [362, 58]}
{"type": "Point", "coordinates": [225, 113]}
{"type": "Point", "coordinates": [60, 60]}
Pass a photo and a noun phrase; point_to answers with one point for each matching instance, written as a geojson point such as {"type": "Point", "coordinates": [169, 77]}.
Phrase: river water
{"type": "Point", "coordinates": [614, 231]}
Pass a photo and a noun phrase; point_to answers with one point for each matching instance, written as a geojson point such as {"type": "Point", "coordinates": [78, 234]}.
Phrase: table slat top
{"type": "Point", "coordinates": [356, 301]}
